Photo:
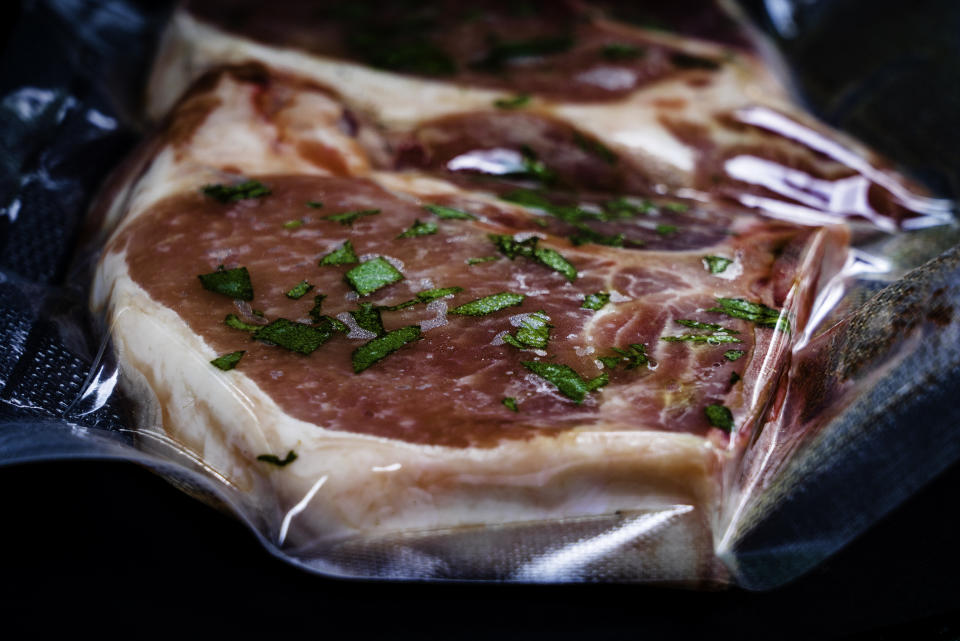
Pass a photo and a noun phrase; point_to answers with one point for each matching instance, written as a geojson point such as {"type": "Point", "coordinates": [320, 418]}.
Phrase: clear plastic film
{"type": "Point", "coordinates": [771, 303]}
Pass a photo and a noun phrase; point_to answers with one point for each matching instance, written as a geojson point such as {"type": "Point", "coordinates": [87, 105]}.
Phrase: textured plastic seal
{"type": "Point", "coordinates": [749, 479]}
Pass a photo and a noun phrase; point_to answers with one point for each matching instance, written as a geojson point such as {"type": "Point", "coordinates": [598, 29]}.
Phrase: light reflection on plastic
{"type": "Point", "coordinates": [558, 565]}
{"type": "Point", "coordinates": [299, 507]}
{"type": "Point", "coordinates": [488, 161]}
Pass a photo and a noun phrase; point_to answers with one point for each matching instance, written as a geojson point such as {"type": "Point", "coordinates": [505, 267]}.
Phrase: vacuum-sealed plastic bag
{"type": "Point", "coordinates": [506, 293]}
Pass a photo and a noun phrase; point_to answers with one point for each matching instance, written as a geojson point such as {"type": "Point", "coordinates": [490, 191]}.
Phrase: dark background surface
{"type": "Point", "coordinates": [88, 544]}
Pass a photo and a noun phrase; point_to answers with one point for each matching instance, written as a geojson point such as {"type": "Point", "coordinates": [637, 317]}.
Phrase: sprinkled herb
{"type": "Point", "coordinates": [572, 215]}
{"type": "Point", "coordinates": [233, 193]}
{"type": "Point", "coordinates": [314, 204]}
{"type": "Point", "coordinates": [273, 459]}
{"type": "Point", "coordinates": [424, 297]}
{"type": "Point", "coordinates": [666, 230]}
{"type": "Point", "coordinates": [587, 235]}
{"type": "Point", "coordinates": [227, 361]}
{"type": "Point", "coordinates": [692, 324]}
{"type": "Point", "coordinates": [515, 102]}
{"type": "Point", "coordinates": [481, 259]}
{"type": "Point", "coordinates": [315, 312]}
{"type": "Point", "coordinates": [595, 301]}
{"type": "Point", "coordinates": [595, 147]}
{"type": "Point", "coordinates": [293, 224]}
{"type": "Point", "coordinates": [350, 217]}
{"type": "Point", "coordinates": [371, 275]}
{"type": "Point", "coordinates": [502, 52]}
{"type": "Point", "coordinates": [733, 354]}
{"type": "Point", "coordinates": [533, 167]}
{"type": "Point", "coordinates": [631, 358]}
{"type": "Point", "coordinates": [488, 304]}
{"type": "Point", "coordinates": [534, 332]}
{"type": "Point", "coordinates": [368, 318]}
{"type": "Point", "coordinates": [709, 339]}
{"type": "Point", "coordinates": [331, 325]}
{"type": "Point", "coordinates": [719, 416]}
{"type": "Point", "coordinates": [716, 264]}
{"type": "Point", "coordinates": [449, 213]}
{"type": "Point", "coordinates": [528, 248]}
{"type": "Point", "coordinates": [300, 290]}
{"type": "Point", "coordinates": [379, 348]}
{"type": "Point", "coordinates": [297, 337]}
{"type": "Point", "coordinates": [234, 283]}
{"type": "Point", "coordinates": [754, 312]}
{"type": "Point", "coordinates": [419, 229]}
{"type": "Point", "coordinates": [678, 207]}
{"type": "Point", "coordinates": [620, 208]}
{"type": "Point", "coordinates": [342, 255]}
{"type": "Point", "coordinates": [510, 403]}
{"type": "Point", "coordinates": [233, 321]}
{"type": "Point", "coordinates": [566, 379]}
{"type": "Point", "coordinates": [621, 51]}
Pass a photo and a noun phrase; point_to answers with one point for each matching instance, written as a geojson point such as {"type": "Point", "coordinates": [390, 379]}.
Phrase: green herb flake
{"type": "Point", "coordinates": [528, 248]}
{"type": "Point", "coordinates": [595, 301]}
{"type": "Point", "coordinates": [227, 361]}
{"type": "Point", "coordinates": [566, 379]}
{"type": "Point", "coordinates": [631, 358]}
{"type": "Point", "coordinates": [556, 262]}
{"type": "Point", "coordinates": [368, 318]}
{"type": "Point", "coordinates": [314, 204]}
{"type": "Point", "coordinates": [342, 255]}
{"type": "Point", "coordinates": [488, 304]}
{"type": "Point", "coordinates": [534, 168]}
{"type": "Point", "coordinates": [515, 102]}
{"type": "Point", "coordinates": [666, 230]}
{"type": "Point", "coordinates": [379, 348]}
{"type": "Point", "coordinates": [510, 403]}
{"type": "Point", "coordinates": [692, 324]}
{"type": "Point", "coordinates": [232, 193]}
{"type": "Point", "coordinates": [273, 459]}
{"type": "Point", "coordinates": [234, 283]}
{"type": "Point", "coordinates": [716, 264]}
{"type": "Point", "coordinates": [293, 224]}
{"type": "Point", "coordinates": [233, 321]}
{"type": "Point", "coordinates": [350, 217]}
{"type": "Point", "coordinates": [419, 229]}
{"type": "Point", "coordinates": [300, 290]}
{"type": "Point", "coordinates": [757, 313]}
{"type": "Point", "coordinates": [720, 416]}
{"type": "Point", "coordinates": [709, 339]}
{"type": "Point", "coordinates": [449, 213]}
{"type": "Point", "coordinates": [481, 259]}
{"type": "Point", "coordinates": [620, 208]}
{"type": "Point", "coordinates": [621, 51]}
{"type": "Point", "coordinates": [433, 294]}
{"type": "Point", "coordinates": [369, 276]}
{"type": "Point", "coordinates": [297, 337]}
{"type": "Point", "coordinates": [315, 311]}
{"type": "Point", "coordinates": [595, 147]}
{"type": "Point", "coordinates": [733, 354]}
{"type": "Point", "coordinates": [677, 207]}
{"type": "Point", "coordinates": [534, 332]}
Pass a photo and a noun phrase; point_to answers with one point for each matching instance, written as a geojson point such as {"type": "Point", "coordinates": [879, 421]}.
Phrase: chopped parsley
{"type": "Point", "coordinates": [480, 259]}
{"type": "Point", "coordinates": [666, 230]}
{"type": "Point", "coordinates": [314, 204]}
{"type": "Point", "coordinates": [273, 459]}
{"type": "Point", "coordinates": [488, 304]}
{"type": "Point", "coordinates": [528, 248]}
{"type": "Point", "coordinates": [233, 193]}
{"type": "Point", "coordinates": [566, 379]}
{"type": "Point", "coordinates": [677, 207]}
{"type": "Point", "coordinates": [342, 255]}
{"type": "Point", "coordinates": [533, 168]}
{"type": "Point", "coordinates": [510, 403]}
{"type": "Point", "coordinates": [300, 290]}
{"type": "Point", "coordinates": [293, 224]}
{"type": "Point", "coordinates": [619, 208]}
{"type": "Point", "coordinates": [369, 276]}
{"type": "Point", "coordinates": [595, 147]}
{"type": "Point", "coordinates": [233, 321]}
{"type": "Point", "coordinates": [754, 312]}
{"type": "Point", "coordinates": [381, 347]}
{"type": "Point", "coordinates": [368, 318]}
{"type": "Point", "coordinates": [595, 301]}
{"type": "Point", "coordinates": [587, 235]}
{"type": "Point", "coordinates": [234, 283]}
{"type": "Point", "coordinates": [692, 324]}
{"type": "Point", "coordinates": [621, 51]}
{"type": "Point", "coordinates": [719, 416]}
{"type": "Point", "coordinates": [709, 339]}
{"type": "Point", "coordinates": [631, 358]}
{"type": "Point", "coordinates": [733, 354]}
{"type": "Point", "coordinates": [716, 264]}
{"type": "Point", "coordinates": [424, 297]}
{"type": "Point", "coordinates": [419, 229]}
{"type": "Point", "coordinates": [516, 102]}
{"type": "Point", "coordinates": [315, 310]}
{"type": "Point", "coordinates": [331, 325]}
{"type": "Point", "coordinates": [227, 361]}
{"type": "Point", "coordinates": [297, 337]}
{"type": "Point", "coordinates": [449, 213]}
{"type": "Point", "coordinates": [350, 217]}
{"type": "Point", "coordinates": [534, 332]}
{"type": "Point", "coordinates": [570, 214]}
